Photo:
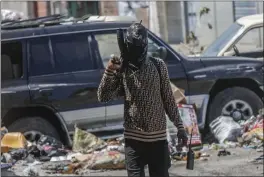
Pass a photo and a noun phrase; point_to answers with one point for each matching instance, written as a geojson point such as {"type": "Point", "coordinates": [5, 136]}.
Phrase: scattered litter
{"type": "Point", "coordinates": [14, 140]}
{"type": "Point", "coordinates": [6, 158]}
{"type": "Point", "coordinates": [49, 141]}
{"type": "Point", "coordinates": [225, 129]}
{"type": "Point", "coordinates": [91, 153]}
{"type": "Point", "coordinates": [30, 171]}
{"type": "Point", "coordinates": [6, 165]}
{"type": "Point", "coordinates": [85, 142]}
{"type": "Point", "coordinates": [205, 155]}
{"type": "Point", "coordinates": [19, 154]}
{"type": "Point", "coordinates": [260, 159]}
{"type": "Point", "coordinates": [108, 160]}
{"type": "Point", "coordinates": [204, 159]}
{"type": "Point", "coordinates": [223, 152]}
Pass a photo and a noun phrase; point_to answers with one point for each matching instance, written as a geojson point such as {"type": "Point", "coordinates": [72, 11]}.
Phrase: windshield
{"type": "Point", "coordinates": [222, 40]}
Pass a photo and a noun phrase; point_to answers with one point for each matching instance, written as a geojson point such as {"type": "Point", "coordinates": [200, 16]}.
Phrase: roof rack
{"type": "Point", "coordinates": [35, 22]}
{"type": "Point", "coordinates": [58, 19]}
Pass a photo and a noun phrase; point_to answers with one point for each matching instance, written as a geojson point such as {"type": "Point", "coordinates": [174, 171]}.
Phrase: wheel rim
{"type": "Point", "coordinates": [238, 109]}
{"type": "Point", "coordinates": [32, 136]}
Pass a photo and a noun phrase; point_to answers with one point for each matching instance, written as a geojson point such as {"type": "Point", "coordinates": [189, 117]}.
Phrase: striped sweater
{"type": "Point", "coordinates": [148, 97]}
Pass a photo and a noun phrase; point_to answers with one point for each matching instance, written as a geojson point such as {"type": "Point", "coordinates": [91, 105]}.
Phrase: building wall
{"type": "Point", "coordinates": [108, 8]}
{"type": "Point", "coordinates": [174, 21]}
{"type": "Point", "coordinates": [42, 8]}
{"type": "Point", "coordinates": [143, 14]}
{"type": "Point", "coordinates": [220, 17]}
{"type": "Point", "coordinates": [162, 20]}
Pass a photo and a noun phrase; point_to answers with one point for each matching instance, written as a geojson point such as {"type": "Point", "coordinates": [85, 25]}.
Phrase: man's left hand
{"type": "Point", "coordinates": [182, 137]}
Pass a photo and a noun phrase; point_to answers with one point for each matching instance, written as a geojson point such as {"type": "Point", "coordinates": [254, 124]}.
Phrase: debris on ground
{"type": "Point", "coordinates": [92, 153]}
{"type": "Point", "coordinates": [223, 152]}
{"type": "Point", "coordinates": [13, 140]}
{"type": "Point", "coordinates": [225, 129]}
{"type": "Point", "coordinates": [85, 142]}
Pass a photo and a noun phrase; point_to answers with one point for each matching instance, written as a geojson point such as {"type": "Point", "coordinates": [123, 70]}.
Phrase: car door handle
{"type": "Point", "coordinates": [46, 92]}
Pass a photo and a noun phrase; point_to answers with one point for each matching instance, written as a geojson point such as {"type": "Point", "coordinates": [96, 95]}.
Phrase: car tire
{"type": "Point", "coordinates": [234, 93]}
{"type": "Point", "coordinates": [27, 125]}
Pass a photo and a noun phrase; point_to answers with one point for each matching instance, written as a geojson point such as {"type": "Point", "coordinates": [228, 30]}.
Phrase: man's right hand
{"type": "Point", "coordinates": [114, 63]}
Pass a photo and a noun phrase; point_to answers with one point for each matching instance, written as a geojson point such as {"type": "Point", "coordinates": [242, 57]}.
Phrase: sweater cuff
{"type": "Point", "coordinates": [180, 126]}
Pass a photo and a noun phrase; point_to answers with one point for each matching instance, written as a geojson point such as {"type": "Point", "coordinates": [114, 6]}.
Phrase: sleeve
{"type": "Point", "coordinates": [110, 86]}
{"type": "Point", "coordinates": [167, 97]}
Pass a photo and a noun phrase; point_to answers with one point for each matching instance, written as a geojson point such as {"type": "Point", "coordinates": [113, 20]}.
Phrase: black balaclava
{"type": "Point", "coordinates": [137, 43]}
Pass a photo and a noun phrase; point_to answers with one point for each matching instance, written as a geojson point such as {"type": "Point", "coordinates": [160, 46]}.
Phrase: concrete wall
{"type": "Point", "coordinates": [162, 20]}
{"type": "Point", "coordinates": [220, 17]}
{"type": "Point", "coordinates": [108, 8]}
{"type": "Point", "coordinates": [174, 22]}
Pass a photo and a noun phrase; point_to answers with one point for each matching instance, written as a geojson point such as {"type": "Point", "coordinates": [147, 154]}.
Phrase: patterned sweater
{"type": "Point", "coordinates": [148, 96]}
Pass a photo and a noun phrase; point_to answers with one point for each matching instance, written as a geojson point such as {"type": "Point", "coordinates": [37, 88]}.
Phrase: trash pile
{"type": "Point", "coordinates": [229, 134]}
{"type": "Point", "coordinates": [92, 153]}
{"type": "Point", "coordinates": [248, 133]}
{"type": "Point", "coordinates": [88, 153]}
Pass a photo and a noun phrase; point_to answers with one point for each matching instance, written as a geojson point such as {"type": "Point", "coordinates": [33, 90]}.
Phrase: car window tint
{"type": "Point", "coordinates": [40, 60]}
{"type": "Point", "coordinates": [71, 53]}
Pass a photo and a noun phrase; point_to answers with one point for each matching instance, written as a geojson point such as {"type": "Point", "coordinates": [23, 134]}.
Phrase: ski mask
{"type": "Point", "coordinates": [137, 43]}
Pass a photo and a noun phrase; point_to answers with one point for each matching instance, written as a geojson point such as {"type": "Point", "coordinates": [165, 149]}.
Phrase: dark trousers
{"type": "Point", "coordinates": [154, 154]}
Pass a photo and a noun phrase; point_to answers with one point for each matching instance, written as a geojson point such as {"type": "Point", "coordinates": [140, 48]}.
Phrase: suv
{"type": "Point", "coordinates": [51, 71]}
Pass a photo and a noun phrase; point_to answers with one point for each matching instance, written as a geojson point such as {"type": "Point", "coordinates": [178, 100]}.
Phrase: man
{"type": "Point", "coordinates": [145, 86]}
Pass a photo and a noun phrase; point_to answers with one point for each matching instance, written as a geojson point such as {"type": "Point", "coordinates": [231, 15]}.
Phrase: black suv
{"type": "Point", "coordinates": [51, 71]}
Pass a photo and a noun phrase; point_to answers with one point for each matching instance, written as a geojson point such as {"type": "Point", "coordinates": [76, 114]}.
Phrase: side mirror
{"type": "Point", "coordinates": [229, 53]}
{"type": "Point", "coordinates": [162, 52]}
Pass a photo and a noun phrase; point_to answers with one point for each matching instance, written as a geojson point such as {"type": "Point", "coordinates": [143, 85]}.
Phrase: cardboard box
{"type": "Point", "coordinates": [178, 94]}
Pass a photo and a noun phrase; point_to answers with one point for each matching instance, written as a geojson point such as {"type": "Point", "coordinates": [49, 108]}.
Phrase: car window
{"type": "Point", "coordinates": [218, 44]}
{"type": "Point", "coordinates": [11, 60]}
{"type": "Point", "coordinates": [107, 44]}
{"type": "Point", "coordinates": [71, 53]}
{"type": "Point", "coordinates": [251, 40]}
{"type": "Point", "coordinates": [40, 57]}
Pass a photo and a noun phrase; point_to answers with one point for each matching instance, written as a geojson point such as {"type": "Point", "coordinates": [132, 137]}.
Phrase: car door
{"type": "Point", "coordinates": [107, 45]}
{"type": "Point", "coordinates": [52, 80]}
{"type": "Point", "coordinates": [14, 89]}
{"type": "Point", "coordinates": [176, 70]}
{"type": "Point", "coordinates": [87, 79]}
